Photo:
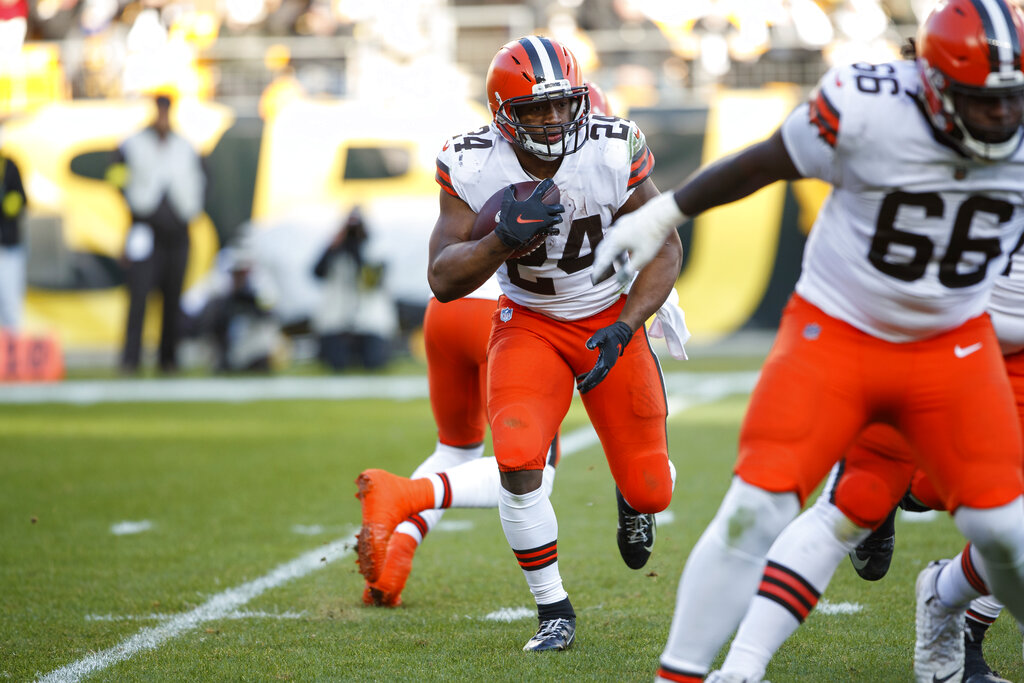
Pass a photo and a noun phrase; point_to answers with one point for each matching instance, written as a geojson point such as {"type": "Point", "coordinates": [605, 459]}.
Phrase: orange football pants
{"type": "Point", "coordinates": [824, 381]}
{"type": "Point", "coordinates": [882, 453]}
{"type": "Point", "coordinates": [455, 335]}
{"type": "Point", "coordinates": [534, 361]}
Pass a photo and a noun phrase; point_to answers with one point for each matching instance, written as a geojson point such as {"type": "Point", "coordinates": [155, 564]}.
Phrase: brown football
{"type": "Point", "coordinates": [485, 218]}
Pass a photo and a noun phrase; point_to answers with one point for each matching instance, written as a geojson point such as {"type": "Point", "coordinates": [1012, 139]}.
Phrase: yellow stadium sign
{"type": "Point", "coordinates": [90, 214]}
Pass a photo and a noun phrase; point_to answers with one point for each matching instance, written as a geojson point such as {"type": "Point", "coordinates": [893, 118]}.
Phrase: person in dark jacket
{"type": "Point", "coordinates": [12, 253]}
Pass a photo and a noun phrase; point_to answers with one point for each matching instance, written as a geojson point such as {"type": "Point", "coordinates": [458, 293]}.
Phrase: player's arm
{"type": "Point", "coordinates": [458, 265]}
{"type": "Point", "coordinates": [642, 233]}
{"type": "Point", "coordinates": [736, 176]}
{"type": "Point", "coordinates": [648, 293]}
{"type": "Point", "coordinates": [657, 278]}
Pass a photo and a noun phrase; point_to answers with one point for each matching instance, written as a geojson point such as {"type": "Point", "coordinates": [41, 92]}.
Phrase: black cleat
{"type": "Point", "coordinates": [873, 556]}
{"type": "Point", "coordinates": [976, 669]}
{"type": "Point", "coordinates": [553, 634]}
{"type": "Point", "coordinates": [635, 533]}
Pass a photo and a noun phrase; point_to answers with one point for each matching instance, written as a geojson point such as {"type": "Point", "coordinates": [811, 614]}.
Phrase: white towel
{"type": "Point", "coordinates": [670, 324]}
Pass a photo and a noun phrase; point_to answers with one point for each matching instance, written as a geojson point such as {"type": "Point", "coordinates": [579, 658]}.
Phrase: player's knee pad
{"type": "Point", "coordinates": [750, 518]}
{"type": "Point", "coordinates": [647, 484]}
{"type": "Point", "coordinates": [518, 439]}
{"type": "Point", "coordinates": [864, 498]}
{"type": "Point", "coordinates": [923, 493]}
{"type": "Point", "coordinates": [997, 533]}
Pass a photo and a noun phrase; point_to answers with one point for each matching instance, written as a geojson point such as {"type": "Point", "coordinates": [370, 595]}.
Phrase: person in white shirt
{"type": "Point", "coordinates": [162, 177]}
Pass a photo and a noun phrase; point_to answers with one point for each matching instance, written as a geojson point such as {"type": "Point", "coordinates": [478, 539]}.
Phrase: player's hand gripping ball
{"type": "Point", "coordinates": [522, 215]}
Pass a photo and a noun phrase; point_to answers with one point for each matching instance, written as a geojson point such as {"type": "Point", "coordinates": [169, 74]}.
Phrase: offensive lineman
{"type": "Point", "coordinates": [550, 318]}
{"type": "Point", "coordinates": [887, 323]}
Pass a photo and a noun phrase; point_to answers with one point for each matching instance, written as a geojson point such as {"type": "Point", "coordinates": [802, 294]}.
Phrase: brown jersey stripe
{"type": "Point", "coordinates": [641, 169]}
{"type": "Point", "coordinates": [444, 178]}
{"type": "Point", "coordinates": [826, 117]}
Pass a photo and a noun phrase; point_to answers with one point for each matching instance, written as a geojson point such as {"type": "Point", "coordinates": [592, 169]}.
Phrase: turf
{"type": "Point", "coordinates": [227, 487]}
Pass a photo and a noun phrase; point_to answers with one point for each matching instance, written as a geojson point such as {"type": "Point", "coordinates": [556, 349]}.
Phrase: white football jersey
{"type": "Point", "coordinates": [909, 241]}
{"type": "Point", "coordinates": [1007, 303]}
{"type": "Point", "coordinates": [593, 183]}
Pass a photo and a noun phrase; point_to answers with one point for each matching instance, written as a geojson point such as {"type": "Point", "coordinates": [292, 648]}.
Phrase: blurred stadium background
{"type": "Point", "coordinates": [306, 108]}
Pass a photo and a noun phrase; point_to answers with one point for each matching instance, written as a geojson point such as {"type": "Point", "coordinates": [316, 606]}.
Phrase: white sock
{"type": "Point", "coordinates": [951, 585]}
{"type": "Point", "coordinates": [473, 484]}
{"type": "Point", "coordinates": [443, 458]}
{"type": "Point", "coordinates": [532, 530]}
{"type": "Point", "coordinates": [997, 534]}
{"type": "Point", "coordinates": [801, 562]}
{"type": "Point", "coordinates": [722, 574]}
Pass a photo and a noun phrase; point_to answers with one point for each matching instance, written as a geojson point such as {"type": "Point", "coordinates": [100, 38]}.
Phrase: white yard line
{"type": "Point", "coordinates": [220, 606]}
{"type": "Point", "coordinates": [699, 390]}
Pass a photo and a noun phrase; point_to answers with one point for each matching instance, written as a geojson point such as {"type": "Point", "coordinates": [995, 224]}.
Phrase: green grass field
{"type": "Point", "coordinates": [246, 570]}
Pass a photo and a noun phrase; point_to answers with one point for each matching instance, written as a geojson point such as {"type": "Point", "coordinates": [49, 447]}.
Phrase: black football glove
{"type": "Point", "coordinates": [612, 342]}
{"type": "Point", "coordinates": [521, 221]}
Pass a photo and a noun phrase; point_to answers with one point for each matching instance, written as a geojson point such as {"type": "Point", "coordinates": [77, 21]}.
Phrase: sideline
{"type": "Point", "coordinates": [708, 388]}
{"type": "Point", "coordinates": [247, 389]}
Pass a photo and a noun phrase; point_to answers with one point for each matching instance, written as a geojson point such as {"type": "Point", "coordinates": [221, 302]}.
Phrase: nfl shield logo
{"type": "Point", "coordinates": [506, 315]}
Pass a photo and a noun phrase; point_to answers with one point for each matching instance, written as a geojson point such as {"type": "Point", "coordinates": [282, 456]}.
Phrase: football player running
{"type": "Point", "coordinates": [398, 513]}
{"type": "Point", "coordinates": [553, 327]}
{"type": "Point", "coordinates": [888, 321]}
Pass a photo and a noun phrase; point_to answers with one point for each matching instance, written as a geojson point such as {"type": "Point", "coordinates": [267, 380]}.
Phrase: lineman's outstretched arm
{"type": "Point", "coordinates": [643, 232]}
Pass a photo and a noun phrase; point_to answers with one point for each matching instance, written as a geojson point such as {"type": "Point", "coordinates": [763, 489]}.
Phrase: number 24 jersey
{"type": "Point", "coordinates": [909, 241]}
{"type": "Point", "coordinates": [593, 183]}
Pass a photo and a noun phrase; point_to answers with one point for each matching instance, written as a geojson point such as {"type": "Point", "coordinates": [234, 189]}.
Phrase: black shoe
{"type": "Point", "coordinates": [873, 556]}
{"type": "Point", "coordinates": [635, 534]}
{"type": "Point", "coordinates": [976, 669]}
{"type": "Point", "coordinates": [553, 634]}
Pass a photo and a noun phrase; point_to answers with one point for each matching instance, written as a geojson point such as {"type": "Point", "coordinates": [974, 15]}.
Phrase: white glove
{"type": "Point", "coordinates": [641, 233]}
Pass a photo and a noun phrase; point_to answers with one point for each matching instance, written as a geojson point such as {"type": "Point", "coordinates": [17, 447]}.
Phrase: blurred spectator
{"type": "Point", "coordinates": [357, 319]}
{"type": "Point", "coordinates": [163, 181]}
{"type": "Point", "coordinates": [13, 27]}
{"type": "Point", "coordinates": [245, 334]}
{"type": "Point", "coordinates": [12, 253]}
{"type": "Point", "coordinates": [285, 88]}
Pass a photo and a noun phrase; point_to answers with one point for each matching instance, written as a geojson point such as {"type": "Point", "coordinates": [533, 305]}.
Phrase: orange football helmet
{"type": "Point", "coordinates": [971, 49]}
{"type": "Point", "coordinates": [534, 69]}
{"type": "Point", "coordinates": [598, 101]}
